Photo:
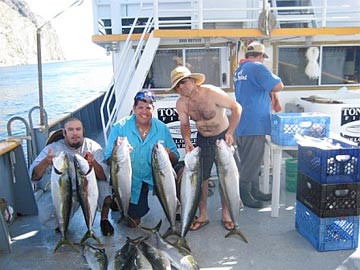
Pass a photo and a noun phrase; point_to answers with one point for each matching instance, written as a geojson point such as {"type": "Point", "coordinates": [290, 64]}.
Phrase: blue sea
{"type": "Point", "coordinates": [66, 86]}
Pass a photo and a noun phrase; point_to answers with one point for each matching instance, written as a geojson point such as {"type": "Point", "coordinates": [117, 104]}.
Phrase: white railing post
{"type": "Point", "coordinates": [323, 15]}
{"type": "Point", "coordinates": [200, 14]}
{"type": "Point", "coordinates": [156, 14]}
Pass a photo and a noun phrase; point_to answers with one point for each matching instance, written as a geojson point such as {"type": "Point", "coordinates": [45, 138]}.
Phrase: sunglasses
{"type": "Point", "coordinates": [183, 81]}
{"type": "Point", "coordinates": [145, 95]}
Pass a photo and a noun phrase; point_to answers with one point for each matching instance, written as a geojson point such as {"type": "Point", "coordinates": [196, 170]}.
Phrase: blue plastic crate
{"type": "Point", "coordinates": [285, 125]}
{"type": "Point", "coordinates": [330, 166]}
{"type": "Point", "coordinates": [325, 234]}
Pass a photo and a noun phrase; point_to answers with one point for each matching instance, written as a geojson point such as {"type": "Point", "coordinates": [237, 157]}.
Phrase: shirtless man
{"type": "Point", "coordinates": [206, 105]}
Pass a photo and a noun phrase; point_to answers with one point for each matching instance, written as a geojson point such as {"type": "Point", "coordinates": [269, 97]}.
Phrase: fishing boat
{"type": "Point", "coordinates": [313, 46]}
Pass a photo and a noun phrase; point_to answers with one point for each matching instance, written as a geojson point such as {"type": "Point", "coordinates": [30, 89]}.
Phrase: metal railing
{"type": "Point", "coordinates": [115, 97]}
{"type": "Point", "coordinates": [200, 14]}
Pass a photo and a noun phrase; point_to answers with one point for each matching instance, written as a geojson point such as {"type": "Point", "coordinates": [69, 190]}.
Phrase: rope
{"type": "Point", "coordinates": [312, 69]}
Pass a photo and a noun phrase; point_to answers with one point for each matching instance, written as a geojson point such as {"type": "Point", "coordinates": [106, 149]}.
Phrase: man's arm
{"type": "Point", "coordinates": [184, 125]}
{"type": "Point", "coordinates": [275, 103]}
{"type": "Point", "coordinates": [225, 101]}
{"type": "Point", "coordinates": [40, 169]}
{"type": "Point", "coordinates": [99, 171]}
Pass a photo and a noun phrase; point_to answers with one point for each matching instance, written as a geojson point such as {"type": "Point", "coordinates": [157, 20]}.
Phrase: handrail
{"type": "Point", "coordinates": [43, 112]}
{"type": "Point", "coordinates": [327, 12]}
{"type": "Point", "coordinates": [27, 137]}
{"type": "Point", "coordinates": [119, 88]}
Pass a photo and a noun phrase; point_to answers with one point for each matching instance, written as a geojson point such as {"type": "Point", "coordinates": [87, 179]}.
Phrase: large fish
{"type": "Point", "coordinates": [229, 183]}
{"type": "Point", "coordinates": [88, 193]}
{"type": "Point", "coordinates": [95, 257]}
{"type": "Point", "coordinates": [61, 192]}
{"type": "Point", "coordinates": [190, 193]}
{"type": "Point", "coordinates": [164, 182]}
{"type": "Point", "coordinates": [140, 262]}
{"type": "Point", "coordinates": [157, 257]}
{"type": "Point", "coordinates": [130, 257]}
{"type": "Point", "coordinates": [123, 257]}
{"type": "Point", "coordinates": [180, 259]}
{"type": "Point", "coordinates": [121, 173]}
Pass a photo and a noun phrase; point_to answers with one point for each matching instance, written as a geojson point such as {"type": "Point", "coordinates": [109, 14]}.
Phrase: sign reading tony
{"type": "Point", "coordinates": [350, 123]}
{"type": "Point", "coordinates": [170, 117]}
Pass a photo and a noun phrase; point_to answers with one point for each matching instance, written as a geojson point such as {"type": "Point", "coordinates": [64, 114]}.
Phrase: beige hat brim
{"type": "Point", "coordinates": [199, 79]}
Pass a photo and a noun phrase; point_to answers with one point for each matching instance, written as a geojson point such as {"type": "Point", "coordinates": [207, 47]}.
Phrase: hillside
{"type": "Point", "coordinates": [18, 35]}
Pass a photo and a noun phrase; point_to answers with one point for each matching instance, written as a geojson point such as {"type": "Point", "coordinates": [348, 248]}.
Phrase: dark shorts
{"type": "Point", "coordinates": [208, 147]}
{"type": "Point", "coordinates": [142, 207]}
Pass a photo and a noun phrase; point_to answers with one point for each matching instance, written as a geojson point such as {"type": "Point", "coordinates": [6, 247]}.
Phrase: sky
{"type": "Point", "coordinates": [74, 27]}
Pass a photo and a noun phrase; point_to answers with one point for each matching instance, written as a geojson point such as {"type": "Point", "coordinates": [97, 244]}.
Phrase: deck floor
{"type": "Point", "coordinates": [273, 242]}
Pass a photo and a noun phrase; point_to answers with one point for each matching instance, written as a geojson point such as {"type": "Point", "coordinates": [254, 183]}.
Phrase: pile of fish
{"type": "Point", "coordinates": [151, 251]}
{"type": "Point", "coordinates": [148, 252]}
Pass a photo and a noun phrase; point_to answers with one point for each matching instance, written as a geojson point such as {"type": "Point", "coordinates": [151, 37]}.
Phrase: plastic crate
{"type": "Point", "coordinates": [285, 125]}
{"type": "Point", "coordinates": [328, 200]}
{"type": "Point", "coordinates": [325, 234]}
{"type": "Point", "coordinates": [330, 166]}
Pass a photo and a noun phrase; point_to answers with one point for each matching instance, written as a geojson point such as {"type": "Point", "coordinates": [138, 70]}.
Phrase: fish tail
{"type": "Point", "coordinates": [89, 234]}
{"type": "Point", "coordinates": [170, 231]}
{"type": "Point", "coordinates": [236, 231]}
{"type": "Point", "coordinates": [64, 241]}
{"type": "Point", "coordinates": [181, 243]}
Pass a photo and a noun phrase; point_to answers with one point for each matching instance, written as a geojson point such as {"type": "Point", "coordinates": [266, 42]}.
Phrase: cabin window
{"type": "Point", "coordinates": [205, 61]}
{"type": "Point", "coordinates": [338, 65]}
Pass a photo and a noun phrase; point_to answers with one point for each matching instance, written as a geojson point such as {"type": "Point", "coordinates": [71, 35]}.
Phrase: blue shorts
{"type": "Point", "coordinates": [208, 148]}
{"type": "Point", "coordinates": [142, 207]}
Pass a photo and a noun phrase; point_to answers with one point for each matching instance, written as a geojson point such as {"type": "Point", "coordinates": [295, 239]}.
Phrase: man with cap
{"type": "Point", "coordinates": [206, 105]}
{"type": "Point", "coordinates": [256, 90]}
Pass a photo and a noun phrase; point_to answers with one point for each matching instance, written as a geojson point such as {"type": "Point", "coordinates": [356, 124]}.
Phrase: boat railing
{"type": "Point", "coordinates": [27, 137]}
{"type": "Point", "coordinates": [123, 75]}
{"type": "Point", "coordinates": [202, 14]}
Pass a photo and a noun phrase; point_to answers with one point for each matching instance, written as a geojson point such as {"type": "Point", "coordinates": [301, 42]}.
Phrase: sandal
{"type": "Point", "coordinates": [197, 224]}
{"type": "Point", "coordinates": [106, 228]}
{"type": "Point", "coordinates": [228, 225]}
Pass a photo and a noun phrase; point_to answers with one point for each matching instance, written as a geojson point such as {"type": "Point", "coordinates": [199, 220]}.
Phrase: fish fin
{"type": "Point", "coordinates": [90, 234]}
{"type": "Point", "coordinates": [236, 231]}
{"type": "Point", "coordinates": [64, 241]}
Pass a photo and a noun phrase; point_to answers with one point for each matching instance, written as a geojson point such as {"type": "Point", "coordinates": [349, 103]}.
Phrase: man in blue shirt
{"type": "Point", "coordinates": [256, 90]}
{"type": "Point", "coordinates": [143, 132]}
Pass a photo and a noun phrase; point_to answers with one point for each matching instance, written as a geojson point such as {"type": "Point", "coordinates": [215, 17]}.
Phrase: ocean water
{"type": "Point", "coordinates": [66, 86]}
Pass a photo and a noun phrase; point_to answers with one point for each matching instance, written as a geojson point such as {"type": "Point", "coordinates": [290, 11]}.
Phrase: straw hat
{"type": "Point", "coordinates": [256, 47]}
{"type": "Point", "coordinates": [181, 72]}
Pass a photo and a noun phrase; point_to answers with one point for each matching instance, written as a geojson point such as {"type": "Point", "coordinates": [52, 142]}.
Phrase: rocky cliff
{"type": "Point", "coordinates": [18, 35]}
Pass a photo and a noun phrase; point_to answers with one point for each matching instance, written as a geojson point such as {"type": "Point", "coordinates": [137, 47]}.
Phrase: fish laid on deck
{"type": "Point", "coordinates": [121, 173]}
{"type": "Point", "coordinates": [180, 259]}
{"type": "Point", "coordinates": [229, 183]}
{"type": "Point", "coordinates": [61, 192]}
{"type": "Point", "coordinates": [130, 256]}
{"type": "Point", "coordinates": [95, 257]}
{"type": "Point", "coordinates": [157, 257]}
{"type": "Point", "coordinates": [164, 182]}
{"type": "Point", "coordinates": [190, 193]}
{"type": "Point", "coordinates": [122, 256]}
{"type": "Point", "coordinates": [88, 193]}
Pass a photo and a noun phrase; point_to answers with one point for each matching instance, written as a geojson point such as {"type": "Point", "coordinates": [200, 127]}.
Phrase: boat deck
{"type": "Point", "coordinates": [273, 242]}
